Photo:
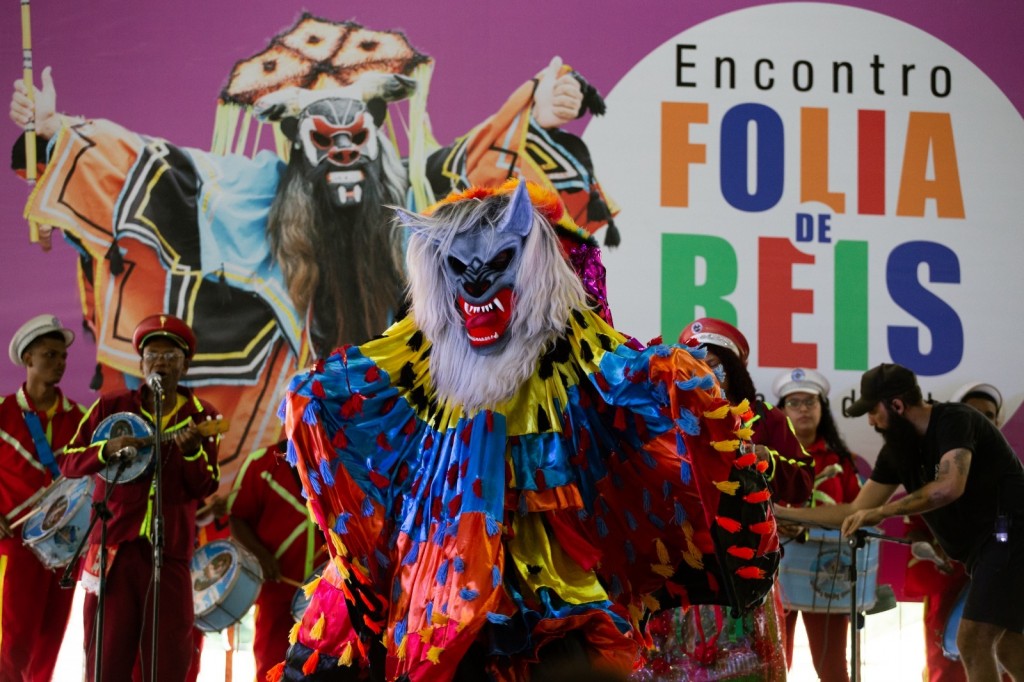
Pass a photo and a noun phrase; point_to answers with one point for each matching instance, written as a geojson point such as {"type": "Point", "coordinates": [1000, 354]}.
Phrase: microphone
{"type": "Point", "coordinates": [924, 551]}
{"type": "Point", "coordinates": [155, 383]}
{"type": "Point", "coordinates": [126, 454]}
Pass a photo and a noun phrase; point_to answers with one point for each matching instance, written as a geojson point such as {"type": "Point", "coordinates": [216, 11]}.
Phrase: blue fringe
{"type": "Point", "coordinates": [341, 523]}
{"type": "Point", "coordinates": [493, 527]}
{"type": "Point", "coordinates": [309, 415]}
{"type": "Point", "coordinates": [442, 573]}
{"type": "Point", "coordinates": [497, 618]}
{"type": "Point", "coordinates": [382, 559]}
{"type": "Point", "coordinates": [646, 496]}
{"type": "Point", "coordinates": [656, 520]}
{"type": "Point", "coordinates": [396, 594]}
{"type": "Point", "coordinates": [282, 410]}
{"type": "Point", "coordinates": [688, 422]}
{"type": "Point", "coordinates": [648, 460]}
{"type": "Point", "coordinates": [602, 527]}
{"type": "Point", "coordinates": [459, 564]}
{"type": "Point", "coordinates": [666, 490]}
{"type": "Point", "coordinates": [400, 629]}
{"type": "Point", "coordinates": [630, 520]}
{"type": "Point", "coordinates": [680, 515]}
{"type": "Point", "coordinates": [616, 586]}
{"type": "Point", "coordinates": [414, 552]}
{"type": "Point", "coordinates": [367, 506]}
{"type": "Point", "coordinates": [438, 538]}
{"type": "Point", "coordinates": [685, 472]}
{"type": "Point", "coordinates": [291, 455]}
{"type": "Point", "coordinates": [429, 611]}
{"type": "Point", "coordinates": [630, 552]}
{"type": "Point", "coordinates": [495, 576]}
{"type": "Point", "coordinates": [689, 384]}
{"type": "Point", "coordinates": [468, 594]}
{"type": "Point", "coordinates": [314, 481]}
{"type": "Point", "coordinates": [325, 473]}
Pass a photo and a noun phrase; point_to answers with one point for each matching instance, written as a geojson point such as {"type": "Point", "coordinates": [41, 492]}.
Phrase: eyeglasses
{"type": "Point", "coordinates": [797, 404]}
{"type": "Point", "coordinates": [169, 356]}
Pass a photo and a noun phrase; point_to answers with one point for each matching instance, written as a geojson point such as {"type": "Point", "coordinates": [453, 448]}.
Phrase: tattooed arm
{"type": "Point", "coordinates": [947, 487]}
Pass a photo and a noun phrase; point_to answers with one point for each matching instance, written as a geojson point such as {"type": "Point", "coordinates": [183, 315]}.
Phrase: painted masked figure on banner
{"type": "Point", "coordinates": [277, 258]}
{"type": "Point", "coordinates": [508, 484]}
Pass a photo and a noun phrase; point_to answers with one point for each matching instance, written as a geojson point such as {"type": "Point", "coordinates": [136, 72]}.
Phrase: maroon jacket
{"type": "Point", "coordinates": [790, 470]}
{"type": "Point", "coordinates": [187, 477]}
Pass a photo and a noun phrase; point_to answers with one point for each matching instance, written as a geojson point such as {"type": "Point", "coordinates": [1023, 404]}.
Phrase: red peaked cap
{"type": "Point", "coordinates": [165, 326]}
{"type": "Point", "coordinates": [715, 332]}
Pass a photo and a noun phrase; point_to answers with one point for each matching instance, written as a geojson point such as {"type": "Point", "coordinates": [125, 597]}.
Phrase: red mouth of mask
{"type": "Point", "coordinates": [486, 322]}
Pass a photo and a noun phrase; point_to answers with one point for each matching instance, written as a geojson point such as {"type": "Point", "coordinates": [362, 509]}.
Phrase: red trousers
{"type": "Point", "coordinates": [828, 635]}
{"type": "Point", "coordinates": [128, 608]}
{"type": "Point", "coordinates": [937, 607]}
{"type": "Point", "coordinates": [33, 616]}
{"type": "Point", "coordinates": [273, 623]}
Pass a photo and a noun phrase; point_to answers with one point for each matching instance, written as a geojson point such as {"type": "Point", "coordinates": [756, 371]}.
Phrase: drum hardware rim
{"type": "Point", "coordinates": [233, 580]}
{"type": "Point", "coordinates": [69, 513]}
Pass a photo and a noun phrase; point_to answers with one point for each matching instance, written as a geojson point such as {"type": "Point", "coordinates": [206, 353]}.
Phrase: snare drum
{"type": "Point", "coordinates": [126, 424]}
{"type": "Point", "coordinates": [226, 580]}
{"type": "Point", "coordinates": [300, 602]}
{"type": "Point", "coordinates": [815, 575]}
{"type": "Point", "coordinates": [58, 521]}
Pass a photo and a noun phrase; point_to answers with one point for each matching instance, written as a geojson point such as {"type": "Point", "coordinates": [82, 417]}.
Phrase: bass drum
{"type": "Point", "coordinates": [58, 521]}
{"type": "Point", "coordinates": [226, 580]}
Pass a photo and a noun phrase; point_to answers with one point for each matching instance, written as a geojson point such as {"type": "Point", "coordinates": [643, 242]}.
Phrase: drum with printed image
{"type": "Point", "coordinates": [226, 580]}
{"type": "Point", "coordinates": [57, 523]}
{"type": "Point", "coordinates": [815, 575]}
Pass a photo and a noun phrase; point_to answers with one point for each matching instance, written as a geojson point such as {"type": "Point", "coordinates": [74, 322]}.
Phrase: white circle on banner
{"type": "Point", "coordinates": [839, 229]}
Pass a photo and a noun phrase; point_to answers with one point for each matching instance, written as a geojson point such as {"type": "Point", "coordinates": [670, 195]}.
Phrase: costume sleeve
{"type": "Point", "coordinates": [81, 456]}
{"type": "Point", "coordinates": [791, 469]}
{"type": "Point", "coordinates": [202, 471]}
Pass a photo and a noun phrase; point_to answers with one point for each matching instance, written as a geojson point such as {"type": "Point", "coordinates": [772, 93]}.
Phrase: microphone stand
{"type": "Point", "coordinates": [158, 522]}
{"type": "Point", "coordinates": [101, 512]}
{"type": "Point", "coordinates": [856, 542]}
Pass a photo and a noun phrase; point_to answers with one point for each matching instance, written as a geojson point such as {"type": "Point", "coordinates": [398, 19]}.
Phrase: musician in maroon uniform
{"type": "Point", "coordinates": [35, 422]}
{"type": "Point", "coordinates": [189, 462]}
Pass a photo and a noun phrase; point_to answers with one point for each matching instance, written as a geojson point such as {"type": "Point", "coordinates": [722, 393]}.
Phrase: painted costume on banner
{"type": "Point", "coordinates": [503, 476]}
{"type": "Point", "coordinates": [707, 643]}
{"type": "Point", "coordinates": [35, 609]}
{"type": "Point", "coordinates": [269, 501]}
{"type": "Point", "coordinates": [276, 244]}
{"type": "Point", "coordinates": [188, 477]}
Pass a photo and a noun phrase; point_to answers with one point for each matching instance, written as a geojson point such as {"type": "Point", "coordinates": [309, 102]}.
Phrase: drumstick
{"type": "Point", "coordinates": [29, 503]}
{"type": "Point", "coordinates": [293, 583]}
{"type": "Point", "coordinates": [205, 509]}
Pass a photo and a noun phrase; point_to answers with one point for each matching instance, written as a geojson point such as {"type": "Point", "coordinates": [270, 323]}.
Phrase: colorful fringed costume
{"type": "Point", "coordinates": [473, 526]}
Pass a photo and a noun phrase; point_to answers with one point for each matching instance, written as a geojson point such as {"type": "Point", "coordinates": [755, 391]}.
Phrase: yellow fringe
{"type": "Point", "coordinates": [661, 551]}
{"type": "Point", "coordinates": [317, 631]}
{"type": "Point", "coordinates": [727, 487]}
{"type": "Point", "coordinates": [439, 618]}
{"type": "Point", "coordinates": [725, 445]}
{"type": "Point", "coordinates": [651, 603]}
{"type": "Point", "coordinates": [434, 654]}
{"type": "Point", "coordinates": [339, 546]}
{"type": "Point", "coordinates": [345, 659]}
{"type": "Point", "coordinates": [309, 588]}
{"type": "Point", "coordinates": [743, 407]}
{"type": "Point", "coordinates": [426, 634]}
{"type": "Point", "coordinates": [719, 413]}
{"type": "Point", "coordinates": [293, 636]}
{"type": "Point", "coordinates": [400, 653]}
{"type": "Point", "coordinates": [664, 570]}
{"type": "Point", "coordinates": [745, 433]}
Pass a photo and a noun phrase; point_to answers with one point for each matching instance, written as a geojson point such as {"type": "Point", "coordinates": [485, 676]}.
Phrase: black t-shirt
{"type": "Point", "coordinates": [995, 480]}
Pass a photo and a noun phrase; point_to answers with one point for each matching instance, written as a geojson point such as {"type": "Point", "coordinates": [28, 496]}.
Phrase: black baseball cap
{"type": "Point", "coordinates": [881, 383]}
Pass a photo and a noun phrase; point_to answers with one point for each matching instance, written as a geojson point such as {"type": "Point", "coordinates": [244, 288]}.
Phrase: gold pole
{"type": "Point", "coordinates": [30, 129]}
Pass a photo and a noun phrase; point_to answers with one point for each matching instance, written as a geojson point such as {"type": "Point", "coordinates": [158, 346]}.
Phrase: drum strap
{"type": "Point", "coordinates": [43, 450]}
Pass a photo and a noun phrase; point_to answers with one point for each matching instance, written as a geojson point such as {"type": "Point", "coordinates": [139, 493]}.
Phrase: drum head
{"type": "Point", "coordinates": [215, 568]}
{"type": "Point", "coordinates": [56, 508]}
{"type": "Point", "coordinates": [125, 424]}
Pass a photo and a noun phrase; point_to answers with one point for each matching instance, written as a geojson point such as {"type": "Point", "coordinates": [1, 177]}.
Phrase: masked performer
{"type": "Point", "coordinates": [281, 257]}
{"type": "Point", "coordinates": [504, 480]}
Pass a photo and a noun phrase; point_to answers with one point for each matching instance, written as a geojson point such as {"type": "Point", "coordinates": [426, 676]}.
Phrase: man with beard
{"type": "Point", "coordinates": [964, 479]}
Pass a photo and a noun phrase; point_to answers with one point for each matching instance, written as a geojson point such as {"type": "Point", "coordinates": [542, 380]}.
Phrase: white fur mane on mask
{"type": "Point", "coordinates": [546, 291]}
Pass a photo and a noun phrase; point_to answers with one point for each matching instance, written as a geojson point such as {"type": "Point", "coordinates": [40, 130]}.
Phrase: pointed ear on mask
{"type": "Point", "coordinates": [518, 217]}
{"type": "Point", "coordinates": [414, 224]}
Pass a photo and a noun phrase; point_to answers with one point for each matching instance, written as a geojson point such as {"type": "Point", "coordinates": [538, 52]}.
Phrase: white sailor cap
{"type": "Point", "coordinates": [32, 330]}
{"type": "Point", "coordinates": [800, 380]}
{"type": "Point", "coordinates": [978, 387]}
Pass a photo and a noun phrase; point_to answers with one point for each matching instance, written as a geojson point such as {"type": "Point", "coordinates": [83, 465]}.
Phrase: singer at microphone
{"type": "Point", "coordinates": [155, 383]}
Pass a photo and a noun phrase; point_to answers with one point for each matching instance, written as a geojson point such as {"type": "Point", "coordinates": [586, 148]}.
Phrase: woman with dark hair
{"type": "Point", "coordinates": [803, 396]}
{"type": "Point", "coordinates": [789, 470]}
{"type": "Point", "coordinates": [707, 641]}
